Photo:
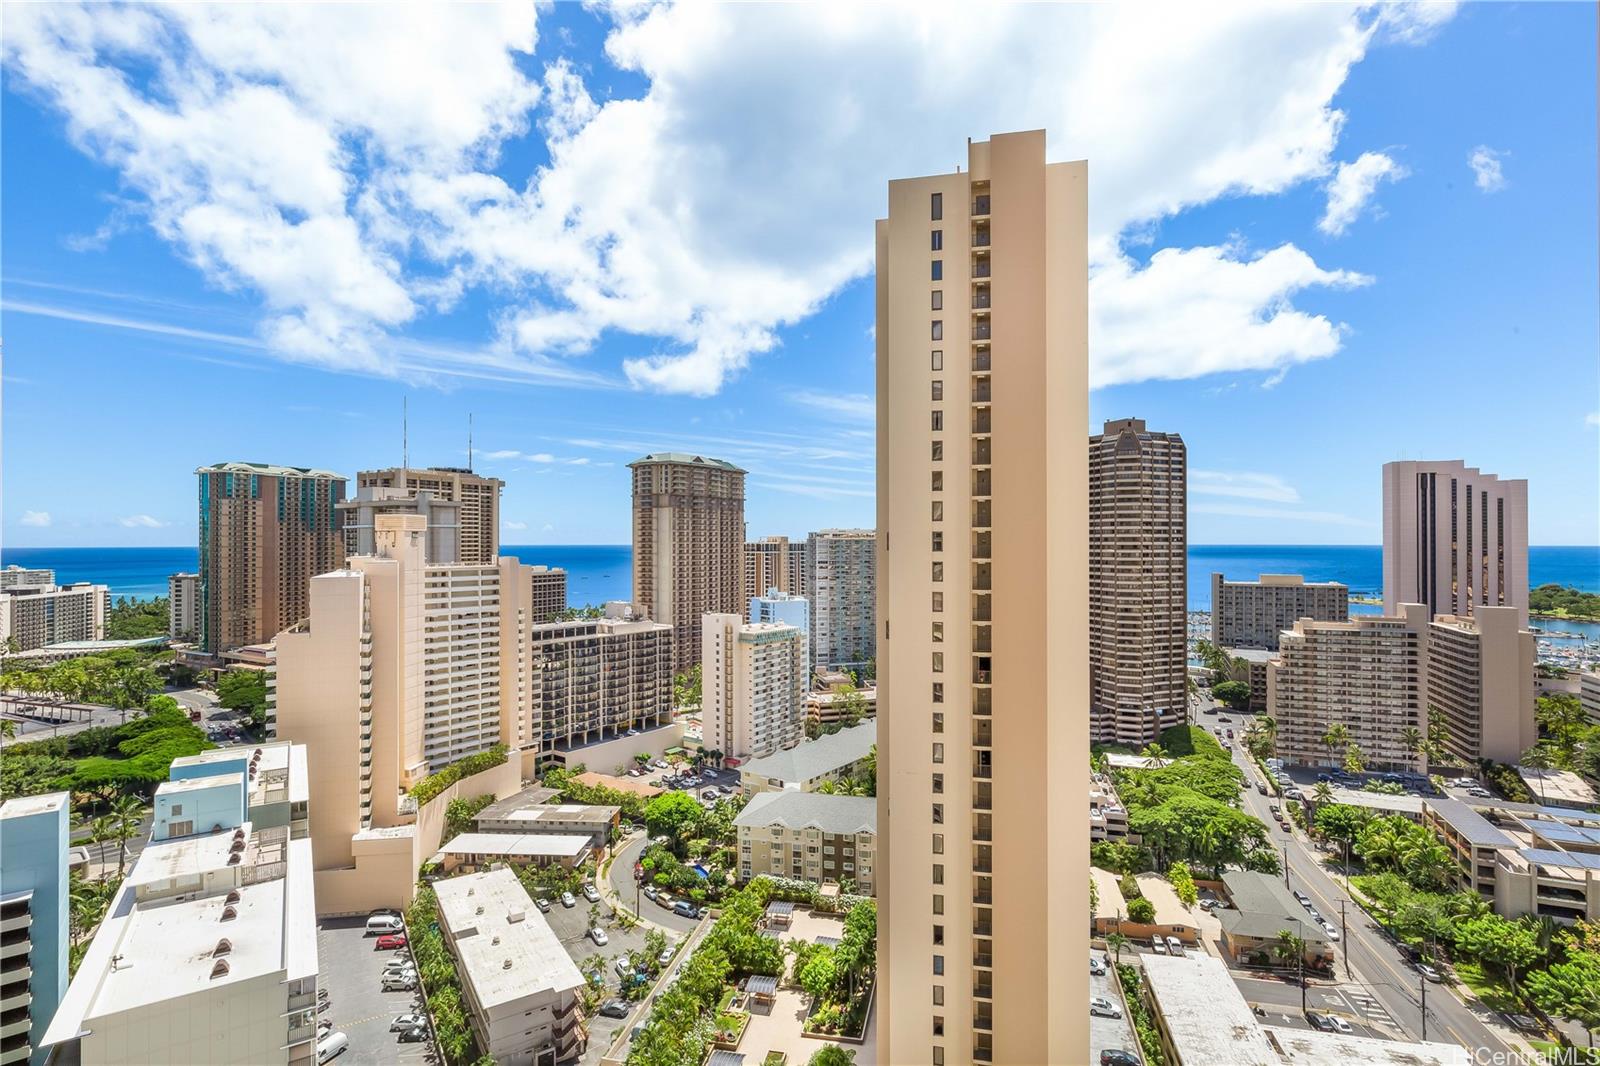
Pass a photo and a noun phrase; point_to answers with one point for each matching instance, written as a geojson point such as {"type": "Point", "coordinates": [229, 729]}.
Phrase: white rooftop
{"type": "Point", "coordinates": [26, 806]}
{"type": "Point", "coordinates": [507, 951]}
{"type": "Point", "coordinates": [1561, 788]}
{"type": "Point", "coordinates": [556, 845]}
{"type": "Point", "coordinates": [1205, 1014]}
{"type": "Point", "coordinates": [1308, 1047]}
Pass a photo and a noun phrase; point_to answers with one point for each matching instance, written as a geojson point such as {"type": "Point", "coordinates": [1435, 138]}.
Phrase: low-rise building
{"type": "Point", "coordinates": [482, 851]}
{"type": "Point", "coordinates": [183, 606]}
{"type": "Point", "coordinates": [34, 616]}
{"type": "Point", "coordinates": [530, 812]}
{"type": "Point", "coordinates": [519, 986]}
{"type": "Point", "coordinates": [838, 706]}
{"type": "Point", "coordinates": [1261, 909]}
{"type": "Point", "coordinates": [1524, 858]}
{"type": "Point", "coordinates": [1108, 818]}
{"type": "Point", "coordinates": [1557, 788]}
{"type": "Point", "coordinates": [1251, 668]}
{"type": "Point", "coordinates": [804, 767]}
{"type": "Point", "coordinates": [35, 905]}
{"type": "Point", "coordinates": [1251, 614]}
{"type": "Point", "coordinates": [215, 922]}
{"type": "Point", "coordinates": [1589, 693]}
{"type": "Point", "coordinates": [809, 836]}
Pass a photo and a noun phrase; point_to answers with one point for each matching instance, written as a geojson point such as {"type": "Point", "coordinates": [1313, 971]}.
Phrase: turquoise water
{"type": "Point", "coordinates": [600, 572]}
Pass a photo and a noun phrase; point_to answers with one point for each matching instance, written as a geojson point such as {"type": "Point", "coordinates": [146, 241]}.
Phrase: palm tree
{"type": "Point", "coordinates": [1353, 762]}
{"type": "Point", "coordinates": [1288, 946]}
{"type": "Point", "coordinates": [1337, 736]}
{"type": "Point", "coordinates": [1323, 793]}
{"type": "Point", "coordinates": [127, 815]}
{"type": "Point", "coordinates": [1114, 941]}
{"type": "Point", "coordinates": [1411, 740]}
{"type": "Point", "coordinates": [1155, 755]}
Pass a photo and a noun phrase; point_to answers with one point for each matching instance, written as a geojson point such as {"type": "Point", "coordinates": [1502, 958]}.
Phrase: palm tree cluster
{"type": "Point", "coordinates": [1396, 844]}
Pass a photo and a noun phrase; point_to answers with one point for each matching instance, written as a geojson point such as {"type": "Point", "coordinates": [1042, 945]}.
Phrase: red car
{"type": "Point", "coordinates": [391, 942]}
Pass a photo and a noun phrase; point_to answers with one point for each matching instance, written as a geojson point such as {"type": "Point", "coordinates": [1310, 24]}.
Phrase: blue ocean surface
{"type": "Point", "coordinates": [600, 572]}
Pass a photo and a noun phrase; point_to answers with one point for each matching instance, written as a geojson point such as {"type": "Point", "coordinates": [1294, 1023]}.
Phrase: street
{"type": "Point", "coordinates": [1379, 981]}
{"type": "Point", "coordinates": [623, 884]}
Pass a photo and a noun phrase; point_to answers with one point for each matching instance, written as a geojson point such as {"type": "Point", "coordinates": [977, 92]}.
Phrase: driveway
{"type": "Point", "coordinates": [1106, 1034]}
{"type": "Point", "coordinates": [351, 968]}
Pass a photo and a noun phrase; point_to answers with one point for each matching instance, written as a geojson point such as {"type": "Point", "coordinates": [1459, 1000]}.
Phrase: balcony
{"type": "Point", "coordinates": [982, 737]}
{"type": "Point", "coordinates": [980, 451]}
{"type": "Point", "coordinates": [980, 358]}
{"type": "Point", "coordinates": [980, 266]}
{"type": "Point", "coordinates": [980, 236]}
{"type": "Point", "coordinates": [982, 986]}
{"type": "Point", "coordinates": [983, 861]}
{"type": "Point", "coordinates": [982, 701]}
{"type": "Point", "coordinates": [983, 670]}
{"type": "Point", "coordinates": [982, 1054]}
{"type": "Point", "coordinates": [982, 800]}
{"type": "Point", "coordinates": [980, 391]}
{"type": "Point", "coordinates": [981, 420]}
{"type": "Point", "coordinates": [980, 204]}
{"type": "Point", "coordinates": [981, 611]}
{"type": "Point", "coordinates": [981, 330]}
{"type": "Point", "coordinates": [980, 298]}
{"type": "Point", "coordinates": [981, 485]}
{"type": "Point", "coordinates": [982, 766]}
{"type": "Point", "coordinates": [983, 959]}
{"type": "Point", "coordinates": [981, 639]}
{"type": "Point", "coordinates": [982, 1017]}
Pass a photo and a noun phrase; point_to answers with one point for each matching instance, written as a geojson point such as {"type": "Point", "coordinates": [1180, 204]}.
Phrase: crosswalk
{"type": "Point", "coordinates": [1369, 1007]}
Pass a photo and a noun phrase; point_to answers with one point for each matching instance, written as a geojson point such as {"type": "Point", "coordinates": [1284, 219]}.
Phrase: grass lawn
{"type": "Point", "coordinates": [1488, 985]}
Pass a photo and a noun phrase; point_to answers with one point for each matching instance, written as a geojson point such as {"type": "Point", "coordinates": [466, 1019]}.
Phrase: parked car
{"type": "Point", "coordinates": [598, 935]}
{"type": "Point", "coordinates": [1276, 811]}
{"type": "Point", "coordinates": [382, 924]}
{"type": "Point", "coordinates": [403, 1022]}
{"type": "Point", "coordinates": [1158, 945]}
{"type": "Point", "coordinates": [1104, 1007]}
{"type": "Point", "coordinates": [567, 900]}
{"type": "Point", "coordinates": [1305, 900]}
{"type": "Point", "coordinates": [1340, 1024]}
{"type": "Point", "coordinates": [331, 1046]}
{"type": "Point", "coordinates": [1429, 972]}
{"type": "Point", "coordinates": [1207, 904]}
{"type": "Point", "coordinates": [414, 1035]}
{"type": "Point", "coordinates": [543, 905]}
{"type": "Point", "coordinates": [399, 982]}
{"type": "Point", "coordinates": [1174, 946]}
{"type": "Point", "coordinates": [686, 909]}
{"type": "Point", "coordinates": [1320, 1022]}
{"type": "Point", "coordinates": [651, 892]}
{"type": "Point", "coordinates": [1096, 967]}
{"type": "Point", "coordinates": [390, 942]}
{"type": "Point", "coordinates": [591, 893]}
{"type": "Point", "coordinates": [1261, 787]}
{"type": "Point", "coordinates": [1115, 1056]}
{"type": "Point", "coordinates": [399, 962]}
{"type": "Point", "coordinates": [614, 1008]}
{"type": "Point", "coordinates": [665, 956]}
{"type": "Point", "coordinates": [623, 967]}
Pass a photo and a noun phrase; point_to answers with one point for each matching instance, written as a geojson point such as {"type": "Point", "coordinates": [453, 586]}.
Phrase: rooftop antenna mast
{"type": "Point", "coordinates": [469, 442]}
{"type": "Point", "coordinates": [405, 433]}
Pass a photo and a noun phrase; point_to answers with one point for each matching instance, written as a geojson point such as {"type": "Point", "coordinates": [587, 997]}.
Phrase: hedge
{"type": "Point", "coordinates": [430, 787]}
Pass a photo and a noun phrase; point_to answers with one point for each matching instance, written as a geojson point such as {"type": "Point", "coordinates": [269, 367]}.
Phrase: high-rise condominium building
{"type": "Point", "coordinates": [777, 563]}
{"type": "Point", "coordinates": [1361, 682]}
{"type": "Point", "coordinates": [36, 616]}
{"type": "Point", "coordinates": [982, 591]}
{"type": "Point", "coordinates": [844, 606]}
{"type": "Point", "coordinates": [1589, 693]}
{"type": "Point", "coordinates": [777, 606]}
{"type": "Point", "coordinates": [753, 686]}
{"type": "Point", "coordinates": [1251, 614]}
{"type": "Point", "coordinates": [549, 592]}
{"type": "Point", "coordinates": [34, 907]}
{"type": "Point", "coordinates": [183, 606]}
{"type": "Point", "coordinates": [1454, 538]}
{"type": "Point", "coordinates": [593, 679]}
{"type": "Point", "coordinates": [1138, 582]}
{"type": "Point", "coordinates": [359, 516]}
{"type": "Point", "coordinates": [15, 576]}
{"type": "Point", "coordinates": [265, 532]}
{"type": "Point", "coordinates": [1480, 683]}
{"type": "Point", "coordinates": [688, 543]}
{"type": "Point", "coordinates": [400, 669]}
{"type": "Point", "coordinates": [476, 499]}
{"type": "Point", "coordinates": [208, 952]}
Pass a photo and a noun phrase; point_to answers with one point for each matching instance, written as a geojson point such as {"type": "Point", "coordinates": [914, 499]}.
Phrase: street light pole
{"type": "Point", "coordinates": [1344, 931]}
{"type": "Point", "coordinates": [1285, 865]}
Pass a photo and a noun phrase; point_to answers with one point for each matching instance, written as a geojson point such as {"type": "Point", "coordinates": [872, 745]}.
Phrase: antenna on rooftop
{"type": "Point", "coordinates": [405, 438]}
{"type": "Point", "coordinates": [469, 441]}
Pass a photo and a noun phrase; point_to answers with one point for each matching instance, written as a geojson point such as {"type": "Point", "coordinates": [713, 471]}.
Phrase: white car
{"type": "Point", "coordinates": [598, 935]}
{"type": "Point", "coordinates": [591, 893]}
{"type": "Point", "coordinates": [1158, 945]}
{"type": "Point", "coordinates": [1174, 947]}
{"type": "Point", "coordinates": [567, 900]}
{"type": "Point", "coordinates": [1104, 1007]}
{"type": "Point", "coordinates": [1340, 1024]}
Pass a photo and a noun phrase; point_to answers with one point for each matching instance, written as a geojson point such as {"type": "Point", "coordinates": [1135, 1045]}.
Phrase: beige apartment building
{"type": "Point", "coordinates": [1138, 582]}
{"type": "Point", "coordinates": [400, 669]}
{"type": "Point", "coordinates": [14, 577]}
{"type": "Point", "coordinates": [1251, 614]}
{"type": "Point", "coordinates": [982, 610]}
{"type": "Point", "coordinates": [844, 604]}
{"type": "Point", "coordinates": [1589, 693]}
{"type": "Point", "coordinates": [265, 532]}
{"type": "Point", "coordinates": [476, 499]}
{"type": "Point", "coordinates": [549, 592]}
{"type": "Point", "coordinates": [37, 616]}
{"type": "Point", "coordinates": [753, 686]}
{"type": "Point", "coordinates": [183, 606]}
{"type": "Point", "coordinates": [809, 836]}
{"type": "Point", "coordinates": [595, 680]}
{"type": "Point", "coordinates": [1454, 538]}
{"type": "Point", "coordinates": [777, 563]}
{"type": "Point", "coordinates": [688, 543]}
{"type": "Point", "coordinates": [1480, 679]}
{"type": "Point", "coordinates": [1369, 674]}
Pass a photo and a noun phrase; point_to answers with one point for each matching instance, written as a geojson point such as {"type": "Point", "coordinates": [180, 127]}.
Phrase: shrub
{"type": "Point", "coordinates": [435, 783]}
{"type": "Point", "coordinates": [1142, 911]}
{"type": "Point", "coordinates": [1130, 887]}
{"type": "Point", "coordinates": [1183, 883]}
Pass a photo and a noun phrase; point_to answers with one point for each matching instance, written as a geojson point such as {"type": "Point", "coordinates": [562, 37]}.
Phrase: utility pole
{"type": "Point", "coordinates": [1422, 982]}
{"type": "Point", "coordinates": [1286, 866]}
{"type": "Point", "coordinates": [1344, 931]}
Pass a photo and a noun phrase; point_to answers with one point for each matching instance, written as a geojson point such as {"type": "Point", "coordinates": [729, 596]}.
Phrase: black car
{"type": "Point", "coordinates": [414, 1035]}
{"type": "Point", "coordinates": [1115, 1056]}
{"type": "Point", "coordinates": [614, 1008]}
{"type": "Point", "coordinates": [1320, 1022]}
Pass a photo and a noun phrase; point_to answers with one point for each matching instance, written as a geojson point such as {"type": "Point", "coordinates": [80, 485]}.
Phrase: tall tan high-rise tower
{"type": "Point", "coordinates": [475, 514]}
{"type": "Point", "coordinates": [1138, 582]}
{"type": "Point", "coordinates": [982, 584]}
{"type": "Point", "coordinates": [688, 544]}
{"type": "Point", "coordinates": [265, 532]}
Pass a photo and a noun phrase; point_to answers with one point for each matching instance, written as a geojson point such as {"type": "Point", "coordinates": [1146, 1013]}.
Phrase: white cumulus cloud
{"type": "Point", "coordinates": [1352, 186]}
{"type": "Point", "coordinates": [345, 169]}
{"type": "Point", "coordinates": [141, 521]}
{"type": "Point", "coordinates": [514, 526]}
{"type": "Point", "coordinates": [1487, 173]}
{"type": "Point", "coordinates": [35, 518]}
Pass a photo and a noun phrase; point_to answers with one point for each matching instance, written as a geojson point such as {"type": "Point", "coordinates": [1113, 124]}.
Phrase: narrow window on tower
{"type": "Point", "coordinates": [938, 632]}
{"type": "Point", "coordinates": [938, 240]}
{"type": "Point", "coordinates": [938, 270]}
{"type": "Point", "coordinates": [938, 995]}
{"type": "Point", "coordinates": [938, 571]}
{"type": "Point", "coordinates": [938, 329]}
{"type": "Point", "coordinates": [938, 602]}
{"type": "Point", "coordinates": [938, 299]}
{"type": "Point", "coordinates": [938, 843]}
{"type": "Point", "coordinates": [938, 753]}
{"type": "Point", "coordinates": [938, 206]}
{"type": "Point", "coordinates": [938, 451]}
{"type": "Point", "coordinates": [938, 511]}
{"type": "Point", "coordinates": [938, 694]}
{"type": "Point", "coordinates": [938, 904]}
{"type": "Point", "coordinates": [938, 421]}
{"type": "Point", "coordinates": [938, 873]}
{"type": "Point", "coordinates": [938, 662]}
{"type": "Point", "coordinates": [938, 391]}
{"type": "Point", "coordinates": [938, 360]}
{"type": "Point", "coordinates": [938, 727]}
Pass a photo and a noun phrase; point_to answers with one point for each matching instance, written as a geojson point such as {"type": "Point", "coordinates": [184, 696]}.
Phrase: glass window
{"type": "Point", "coordinates": [938, 240]}
{"type": "Point", "coordinates": [938, 662]}
{"type": "Point", "coordinates": [938, 693]}
{"type": "Point", "coordinates": [938, 391]}
{"type": "Point", "coordinates": [938, 329]}
{"type": "Point", "coordinates": [938, 206]}
{"type": "Point", "coordinates": [938, 270]}
{"type": "Point", "coordinates": [938, 511]}
{"type": "Point", "coordinates": [938, 541]}
{"type": "Point", "coordinates": [938, 602]}
{"type": "Point", "coordinates": [938, 965]}
{"type": "Point", "coordinates": [938, 992]}
{"type": "Point", "coordinates": [938, 299]}
{"type": "Point", "coordinates": [938, 904]}
{"type": "Point", "coordinates": [938, 753]}
{"type": "Point", "coordinates": [938, 784]}
{"type": "Point", "coordinates": [938, 632]}
{"type": "Point", "coordinates": [938, 421]}
{"type": "Point", "coordinates": [938, 571]}
{"type": "Point", "coordinates": [938, 451]}
{"type": "Point", "coordinates": [938, 723]}
{"type": "Point", "coordinates": [938, 360]}
{"type": "Point", "coordinates": [938, 873]}
{"type": "Point", "coordinates": [938, 843]}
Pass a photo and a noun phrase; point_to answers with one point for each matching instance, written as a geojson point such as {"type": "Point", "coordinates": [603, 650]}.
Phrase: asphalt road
{"type": "Point", "coordinates": [1380, 975]}
{"type": "Point", "coordinates": [623, 884]}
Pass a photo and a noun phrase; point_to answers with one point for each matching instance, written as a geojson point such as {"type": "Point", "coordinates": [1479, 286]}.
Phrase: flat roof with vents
{"type": "Point", "coordinates": [489, 920]}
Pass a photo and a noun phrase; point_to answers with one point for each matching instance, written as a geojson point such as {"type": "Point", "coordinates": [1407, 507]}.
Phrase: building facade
{"type": "Point", "coordinates": [810, 837]}
{"type": "Point", "coordinates": [591, 680]}
{"type": "Point", "coordinates": [358, 519]}
{"type": "Point", "coordinates": [183, 606]}
{"type": "Point", "coordinates": [208, 953]}
{"type": "Point", "coordinates": [806, 767]}
{"type": "Point", "coordinates": [15, 577]}
{"type": "Point", "coordinates": [1589, 693]}
{"type": "Point", "coordinates": [777, 606]}
{"type": "Point", "coordinates": [549, 592]}
{"type": "Point", "coordinates": [265, 532]}
{"type": "Point", "coordinates": [1480, 680]}
{"type": "Point", "coordinates": [1138, 583]}
{"type": "Point", "coordinates": [1251, 614]}
{"type": "Point", "coordinates": [37, 616]}
{"type": "Point", "coordinates": [1368, 675]}
{"type": "Point", "coordinates": [1454, 538]}
{"type": "Point", "coordinates": [688, 543]}
{"type": "Point", "coordinates": [476, 499]}
{"type": "Point", "coordinates": [35, 904]}
{"type": "Point", "coordinates": [982, 609]}
{"type": "Point", "coordinates": [753, 686]}
{"type": "Point", "coordinates": [777, 563]}
{"type": "Point", "coordinates": [844, 567]}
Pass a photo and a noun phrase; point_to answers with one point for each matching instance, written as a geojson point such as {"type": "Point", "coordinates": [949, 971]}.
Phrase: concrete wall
{"type": "Point", "coordinates": [605, 756]}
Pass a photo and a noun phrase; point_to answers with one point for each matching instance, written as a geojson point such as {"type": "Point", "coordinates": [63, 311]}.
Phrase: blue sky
{"type": "Point", "coordinates": [1322, 238]}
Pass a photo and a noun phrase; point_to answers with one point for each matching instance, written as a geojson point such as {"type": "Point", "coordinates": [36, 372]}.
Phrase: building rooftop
{"type": "Point", "coordinates": [1252, 655]}
{"type": "Point", "coordinates": [507, 952]}
{"type": "Point", "coordinates": [1558, 786]}
{"type": "Point", "coordinates": [1308, 1047]}
{"type": "Point", "coordinates": [686, 458]}
{"type": "Point", "coordinates": [811, 810]}
{"type": "Point", "coordinates": [813, 758]}
{"type": "Point", "coordinates": [596, 816]}
{"type": "Point", "coordinates": [1477, 829]}
{"type": "Point", "coordinates": [1378, 801]}
{"type": "Point", "coordinates": [1264, 908]}
{"type": "Point", "coordinates": [518, 845]}
{"type": "Point", "coordinates": [281, 772]}
{"type": "Point", "coordinates": [1204, 1014]}
{"type": "Point", "coordinates": [27, 806]}
{"type": "Point", "coordinates": [268, 469]}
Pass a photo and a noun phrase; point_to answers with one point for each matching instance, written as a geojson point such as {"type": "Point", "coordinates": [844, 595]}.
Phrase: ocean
{"type": "Point", "coordinates": [600, 572]}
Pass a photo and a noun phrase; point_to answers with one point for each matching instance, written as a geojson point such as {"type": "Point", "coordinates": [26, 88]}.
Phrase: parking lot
{"type": "Point", "coordinates": [351, 968]}
{"type": "Point", "coordinates": [1107, 1034]}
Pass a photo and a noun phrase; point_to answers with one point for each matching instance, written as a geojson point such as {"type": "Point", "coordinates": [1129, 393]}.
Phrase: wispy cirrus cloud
{"type": "Point", "coordinates": [1281, 514]}
{"type": "Point", "coordinates": [1242, 484]}
{"type": "Point", "coordinates": [848, 406]}
{"type": "Point", "coordinates": [142, 521]}
{"type": "Point", "coordinates": [37, 519]}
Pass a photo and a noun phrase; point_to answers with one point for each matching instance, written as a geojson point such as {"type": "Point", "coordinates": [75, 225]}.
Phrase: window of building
{"type": "Point", "coordinates": [938, 391]}
{"type": "Point", "coordinates": [937, 481]}
{"type": "Point", "coordinates": [938, 632]}
{"type": "Point", "coordinates": [938, 873]}
{"type": "Point", "coordinates": [938, 206]}
{"type": "Point", "coordinates": [938, 270]}
{"type": "Point", "coordinates": [938, 904]}
{"type": "Point", "coordinates": [938, 753]}
{"type": "Point", "coordinates": [938, 541]}
{"type": "Point", "coordinates": [938, 329]}
{"type": "Point", "coordinates": [938, 692]}
{"type": "Point", "coordinates": [938, 936]}
{"type": "Point", "coordinates": [938, 995]}
{"type": "Point", "coordinates": [938, 1023]}
{"type": "Point", "coordinates": [938, 360]}
{"type": "Point", "coordinates": [938, 662]}
{"type": "Point", "coordinates": [938, 843]}
{"type": "Point", "coordinates": [938, 814]}
{"type": "Point", "coordinates": [938, 965]}
{"type": "Point", "coordinates": [938, 300]}
{"type": "Point", "coordinates": [937, 243]}
{"type": "Point", "coordinates": [938, 1056]}
{"type": "Point", "coordinates": [938, 721]}
{"type": "Point", "coordinates": [938, 571]}
{"type": "Point", "coordinates": [938, 421]}
{"type": "Point", "coordinates": [938, 599]}
{"type": "Point", "coordinates": [938, 784]}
